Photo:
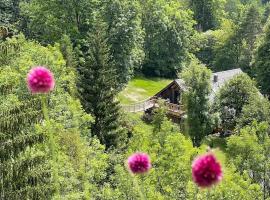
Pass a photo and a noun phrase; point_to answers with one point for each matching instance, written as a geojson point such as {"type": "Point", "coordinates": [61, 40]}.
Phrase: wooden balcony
{"type": "Point", "coordinates": [175, 109]}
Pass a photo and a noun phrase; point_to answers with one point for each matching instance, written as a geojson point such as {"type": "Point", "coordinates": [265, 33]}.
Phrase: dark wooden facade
{"type": "Point", "coordinates": [172, 94]}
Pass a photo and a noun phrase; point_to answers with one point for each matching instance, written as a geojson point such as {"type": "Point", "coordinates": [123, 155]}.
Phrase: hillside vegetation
{"type": "Point", "coordinates": [67, 67]}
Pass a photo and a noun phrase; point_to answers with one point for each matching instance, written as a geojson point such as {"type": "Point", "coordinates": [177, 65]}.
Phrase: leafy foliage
{"type": "Point", "coordinates": [237, 50]}
{"type": "Point", "coordinates": [168, 36]}
{"type": "Point", "coordinates": [125, 37]}
{"type": "Point", "coordinates": [233, 96]}
{"type": "Point", "coordinates": [102, 44]}
{"type": "Point", "coordinates": [205, 13]}
{"type": "Point", "coordinates": [257, 108]}
{"type": "Point", "coordinates": [196, 101]}
{"type": "Point", "coordinates": [249, 152]}
{"type": "Point", "coordinates": [262, 62]}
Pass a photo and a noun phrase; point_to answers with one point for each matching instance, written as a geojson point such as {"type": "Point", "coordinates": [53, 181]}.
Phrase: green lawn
{"type": "Point", "coordinates": [141, 88]}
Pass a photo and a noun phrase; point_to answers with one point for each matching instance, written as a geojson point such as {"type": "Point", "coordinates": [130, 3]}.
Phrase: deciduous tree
{"type": "Point", "coordinates": [196, 101]}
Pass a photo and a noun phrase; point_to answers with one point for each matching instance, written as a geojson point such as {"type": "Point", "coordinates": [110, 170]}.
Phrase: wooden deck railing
{"type": "Point", "coordinates": [152, 102]}
{"type": "Point", "coordinates": [140, 106]}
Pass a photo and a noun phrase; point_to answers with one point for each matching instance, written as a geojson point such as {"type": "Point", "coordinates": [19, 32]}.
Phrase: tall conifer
{"type": "Point", "coordinates": [97, 87]}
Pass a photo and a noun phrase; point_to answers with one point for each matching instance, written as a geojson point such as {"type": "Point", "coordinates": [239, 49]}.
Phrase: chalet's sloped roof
{"type": "Point", "coordinates": [222, 78]}
{"type": "Point", "coordinates": [180, 83]}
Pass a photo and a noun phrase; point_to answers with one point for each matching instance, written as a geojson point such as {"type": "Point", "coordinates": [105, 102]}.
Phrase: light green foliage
{"type": "Point", "coordinates": [196, 101]}
{"type": "Point", "coordinates": [81, 165]}
{"type": "Point", "coordinates": [249, 152]}
{"type": "Point", "coordinates": [233, 96]}
{"type": "Point", "coordinates": [238, 48]}
{"type": "Point", "coordinates": [21, 116]}
{"type": "Point", "coordinates": [170, 178]}
{"type": "Point", "coordinates": [159, 117]}
{"type": "Point", "coordinates": [107, 41]}
{"type": "Point", "coordinates": [168, 37]}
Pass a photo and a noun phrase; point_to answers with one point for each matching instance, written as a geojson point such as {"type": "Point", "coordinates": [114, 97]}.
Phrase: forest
{"type": "Point", "coordinates": [68, 67]}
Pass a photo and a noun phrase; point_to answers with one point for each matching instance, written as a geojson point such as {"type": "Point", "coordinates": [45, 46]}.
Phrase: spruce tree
{"type": "Point", "coordinates": [24, 167]}
{"type": "Point", "coordinates": [262, 62]}
{"type": "Point", "coordinates": [97, 87]}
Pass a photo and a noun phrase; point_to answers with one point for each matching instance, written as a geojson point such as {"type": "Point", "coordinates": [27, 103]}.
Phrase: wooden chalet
{"type": "Point", "coordinates": [172, 94]}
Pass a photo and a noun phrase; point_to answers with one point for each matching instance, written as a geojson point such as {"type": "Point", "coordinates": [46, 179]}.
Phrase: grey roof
{"type": "Point", "coordinates": [222, 78]}
{"type": "Point", "coordinates": [181, 83]}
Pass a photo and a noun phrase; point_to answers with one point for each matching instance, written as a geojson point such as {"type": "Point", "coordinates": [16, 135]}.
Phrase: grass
{"type": "Point", "coordinates": [141, 88]}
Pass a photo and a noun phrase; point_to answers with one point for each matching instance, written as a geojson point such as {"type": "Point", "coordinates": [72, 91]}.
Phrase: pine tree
{"type": "Point", "coordinates": [262, 62]}
{"type": "Point", "coordinates": [97, 87]}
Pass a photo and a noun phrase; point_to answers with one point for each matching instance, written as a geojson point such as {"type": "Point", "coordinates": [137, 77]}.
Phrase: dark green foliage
{"type": "Point", "coordinates": [204, 13]}
{"type": "Point", "coordinates": [250, 29]}
{"type": "Point", "coordinates": [67, 51]}
{"type": "Point", "coordinates": [9, 12]}
{"type": "Point", "coordinates": [97, 87]}
{"type": "Point", "coordinates": [262, 63]}
{"type": "Point", "coordinates": [11, 21]}
{"type": "Point", "coordinates": [227, 56]}
{"type": "Point", "coordinates": [123, 19]}
{"type": "Point", "coordinates": [125, 37]}
{"type": "Point", "coordinates": [206, 51]}
{"type": "Point", "coordinates": [233, 96]}
{"type": "Point", "coordinates": [258, 108]}
{"type": "Point", "coordinates": [49, 20]}
{"type": "Point", "coordinates": [196, 101]}
{"type": "Point", "coordinates": [168, 35]}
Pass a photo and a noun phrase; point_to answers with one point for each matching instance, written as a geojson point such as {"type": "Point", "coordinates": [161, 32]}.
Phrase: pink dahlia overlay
{"type": "Point", "coordinates": [40, 80]}
{"type": "Point", "coordinates": [139, 163]}
{"type": "Point", "coordinates": [206, 170]}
